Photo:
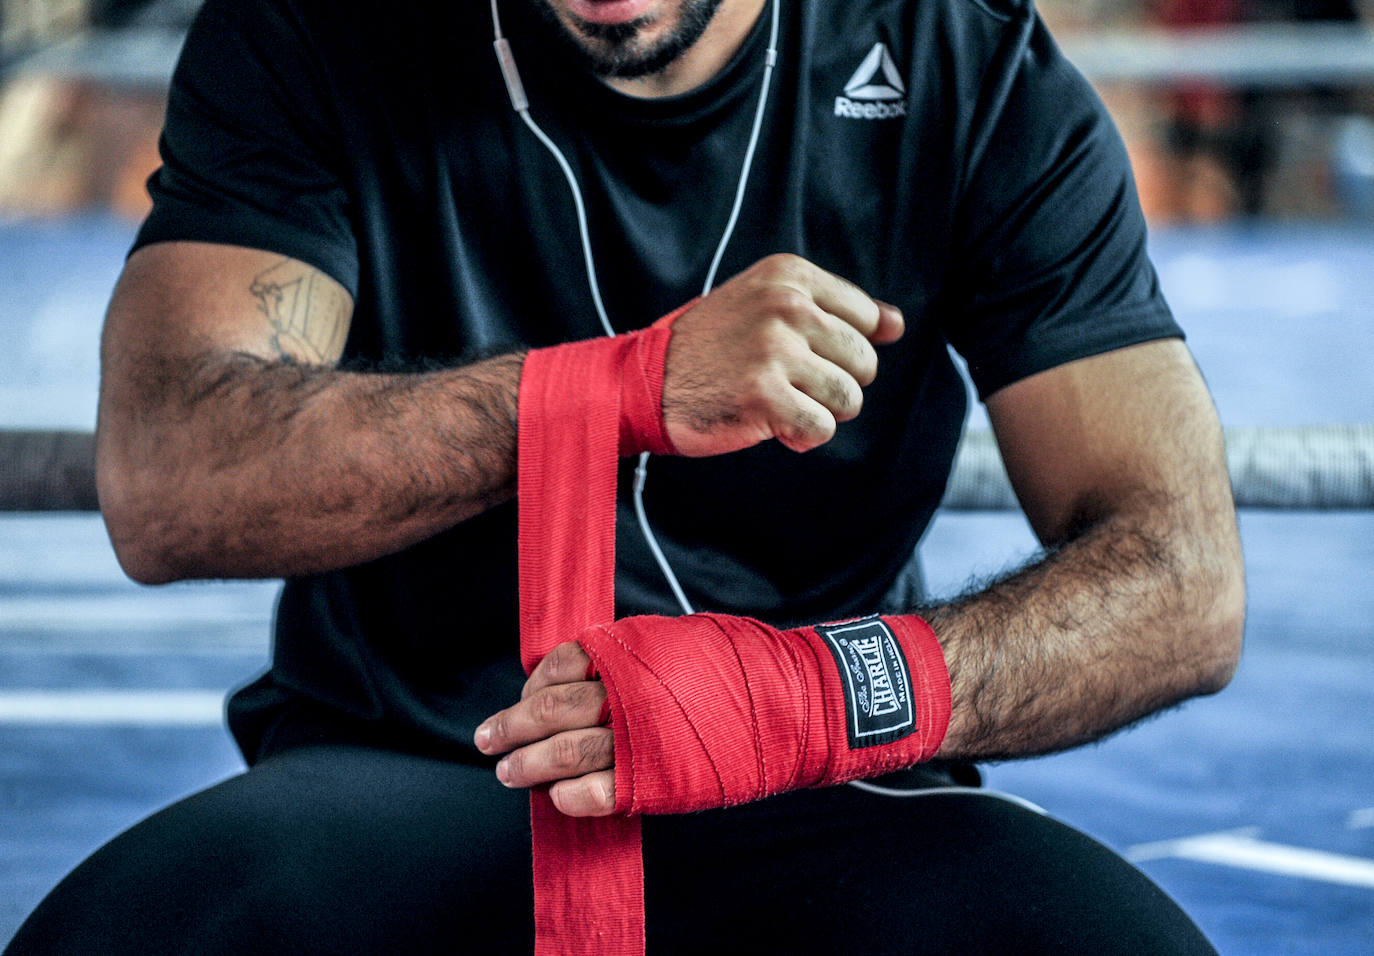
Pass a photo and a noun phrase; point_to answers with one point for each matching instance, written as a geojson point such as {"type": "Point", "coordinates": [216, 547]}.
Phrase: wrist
{"type": "Point", "coordinates": [634, 362]}
{"type": "Point", "coordinates": [886, 697]}
{"type": "Point", "coordinates": [713, 710]}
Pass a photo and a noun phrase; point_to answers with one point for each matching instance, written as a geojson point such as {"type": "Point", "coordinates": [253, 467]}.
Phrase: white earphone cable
{"type": "Point", "coordinates": [521, 104]}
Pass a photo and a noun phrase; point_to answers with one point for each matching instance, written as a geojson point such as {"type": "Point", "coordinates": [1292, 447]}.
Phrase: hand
{"type": "Point", "coordinates": [781, 351]}
{"type": "Point", "coordinates": [554, 735]}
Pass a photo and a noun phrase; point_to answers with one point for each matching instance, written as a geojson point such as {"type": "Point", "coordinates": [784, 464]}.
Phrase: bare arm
{"type": "Point", "coordinates": [1139, 602]}
{"type": "Point", "coordinates": [228, 443]}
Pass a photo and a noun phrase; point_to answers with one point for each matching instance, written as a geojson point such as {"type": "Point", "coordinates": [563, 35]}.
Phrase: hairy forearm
{"type": "Point", "coordinates": [1133, 614]}
{"type": "Point", "coordinates": [230, 465]}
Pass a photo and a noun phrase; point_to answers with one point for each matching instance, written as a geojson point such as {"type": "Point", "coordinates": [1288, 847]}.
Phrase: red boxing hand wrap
{"type": "Point", "coordinates": [707, 710]}
{"type": "Point", "coordinates": [641, 388]}
{"type": "Point", "coordinates": [577, 373]}
{"type": "Point", "coordinates": [581, 406]}
{"type": "Point", "coordinates": [712, 710]}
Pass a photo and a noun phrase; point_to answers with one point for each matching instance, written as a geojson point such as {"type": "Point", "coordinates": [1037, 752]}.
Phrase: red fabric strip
{"type": "Point", "coordinates": [581, 406]}
{"type": "Point", "coordinates": [641, 391]}
{"type": "Point", "coordinates": [708, 710]}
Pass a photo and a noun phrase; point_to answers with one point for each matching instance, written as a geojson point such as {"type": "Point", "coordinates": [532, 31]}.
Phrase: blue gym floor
{"type": "Point", "coordinates": [1254, 808]}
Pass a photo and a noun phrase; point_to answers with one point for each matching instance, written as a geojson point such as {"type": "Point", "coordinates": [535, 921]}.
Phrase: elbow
{"type": "Point", "coordinates": [142, 565]}
{"type": "Point", "coordinates": [134, 513]}
{"type": "Point", "coordinates": [1223, 625]}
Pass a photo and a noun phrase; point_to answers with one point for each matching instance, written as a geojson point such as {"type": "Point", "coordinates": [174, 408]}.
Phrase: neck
{"type": "Point", "coordinates": [706, 58]}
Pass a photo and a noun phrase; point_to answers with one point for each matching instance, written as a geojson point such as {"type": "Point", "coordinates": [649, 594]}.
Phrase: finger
{"type": "Point", "coordinates": [545, 712]}
{"type": "Point", "coordinates": [844, 300]}
{"type": "Point", "coordinates": [830, 385]}
{"type": "Point", "coordinates": [560, 757]}
{"type": "Point", "coordinates": [840, 343]}
{"type": "Point", "coordinates": [592, 795]}
{"type": "Point", "coordinates": [802, 423]}
{"type": "Point", "coordinates": [891, 325]}
{"type": "Point", "coordinates": [566, 663]}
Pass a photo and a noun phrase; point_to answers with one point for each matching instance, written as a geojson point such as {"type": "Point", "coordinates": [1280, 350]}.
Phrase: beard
{"type": "Point", "coordinates": [615, 49]}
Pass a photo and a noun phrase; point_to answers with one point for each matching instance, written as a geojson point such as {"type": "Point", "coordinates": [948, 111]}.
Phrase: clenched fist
{"type": "Point", "coordinates": [781, 351]}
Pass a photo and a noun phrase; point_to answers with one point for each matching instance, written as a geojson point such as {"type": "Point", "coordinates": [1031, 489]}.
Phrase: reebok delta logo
{"type": "Point", "coordinates": [869, 96]}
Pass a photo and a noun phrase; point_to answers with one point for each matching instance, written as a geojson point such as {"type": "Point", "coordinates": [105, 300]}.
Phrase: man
{"type": "Point", "coordinates": [350, 214]}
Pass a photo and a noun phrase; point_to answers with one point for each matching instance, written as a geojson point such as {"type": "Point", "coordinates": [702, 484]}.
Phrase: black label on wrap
{"type": "Point", "coordinates": [876, 679]}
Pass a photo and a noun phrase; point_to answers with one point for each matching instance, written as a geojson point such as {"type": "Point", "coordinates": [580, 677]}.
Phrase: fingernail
{"type": "Point", "coordinates": [482, 738]}
{"type": "Point", "coordinates": [503, 771]}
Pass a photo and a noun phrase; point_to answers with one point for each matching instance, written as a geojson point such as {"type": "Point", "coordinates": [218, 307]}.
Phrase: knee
{"type": "Point", "coordinates": [1047, 887]}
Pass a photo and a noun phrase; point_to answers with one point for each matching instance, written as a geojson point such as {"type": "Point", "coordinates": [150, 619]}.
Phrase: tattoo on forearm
{"type": "Point", "coordinates": [306, 311]}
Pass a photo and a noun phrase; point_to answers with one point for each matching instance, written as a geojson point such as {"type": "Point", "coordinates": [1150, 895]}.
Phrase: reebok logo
{"type": "Point", "coordinates": [877, 681]}
{"type": "Point", "coordinates": [869, 96]}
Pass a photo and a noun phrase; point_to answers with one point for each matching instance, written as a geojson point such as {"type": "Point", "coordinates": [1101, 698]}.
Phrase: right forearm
{"type": "Point", "coordinates": [235, 466]}
{"type": "Point", "coordinates": [229, 445]}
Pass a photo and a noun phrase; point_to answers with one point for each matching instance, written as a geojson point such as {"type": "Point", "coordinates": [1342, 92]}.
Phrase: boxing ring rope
{"type": "Point", "coordinates": [47, 471]}
{"type": "Point", "coordinates": [1303, 468]}
{"type": "Point", "coordinates": [1272, 55]}
{"type": "Point", "coordinates": [1248, 54]}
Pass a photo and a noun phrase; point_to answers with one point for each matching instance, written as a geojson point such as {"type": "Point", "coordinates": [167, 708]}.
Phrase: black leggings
{"type": "Point", "coordinates": [348, 849]}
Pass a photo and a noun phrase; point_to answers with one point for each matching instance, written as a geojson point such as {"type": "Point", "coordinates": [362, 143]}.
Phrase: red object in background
{"type": "Point", "coordinates": [1194, 102]}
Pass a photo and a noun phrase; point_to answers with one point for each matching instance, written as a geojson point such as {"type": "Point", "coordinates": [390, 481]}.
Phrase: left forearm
{"type": "Point", "coordinates": [1135, 613]}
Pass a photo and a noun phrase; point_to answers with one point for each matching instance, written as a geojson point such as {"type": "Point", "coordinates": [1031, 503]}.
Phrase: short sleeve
{"type": "Point", "coordinates": [251, 155]}
{"type": "Point", "coordinates": [1050, 242]}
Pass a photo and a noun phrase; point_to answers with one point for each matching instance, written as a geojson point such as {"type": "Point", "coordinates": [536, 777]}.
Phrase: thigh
{"type": "Point", "coordinates": [841, 871]}
{"type": "Point", "coordinates": [340, 849]}
{"type": "Point", "coordinates": [324, 849]}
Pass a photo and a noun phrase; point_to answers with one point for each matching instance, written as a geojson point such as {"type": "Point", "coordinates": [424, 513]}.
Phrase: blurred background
{"type": "Point", "coordinates": [1230, 108]}
{"type": "Point", "coordinates": [1243, 115]}
{"type": "Point", "coordinates": [1250, 124]}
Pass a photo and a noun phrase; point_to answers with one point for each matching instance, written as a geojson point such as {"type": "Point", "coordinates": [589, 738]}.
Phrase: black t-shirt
{"type": "Point", "coordinates": [939, 153]}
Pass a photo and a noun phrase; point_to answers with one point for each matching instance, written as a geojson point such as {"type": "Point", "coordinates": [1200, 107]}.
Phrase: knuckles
{"type": "Point", "coordinates": [779, 340]}
{"type": "Point", "coordinates": [584, 696]}
{"type": "Point", "coordinates": [734, 367]}
{"type": "Point", "coordinates": [596, 749]}
{"type": "Point", "coordinates": [782, 265]}
{"type": "Point", "coordinates": [546, 706]}
{"type": "Point", "coordinates": [788, 303]}
{"type": "Point", "coordinates": [802, 431]}
{"type": "Point", "coordinates": [563, 704]}
{"type": "Point", "coordinates": [561, 757]}
{"type": "Point", "coordinates": [566, 662]}
{"type": "Point", "coordinates": [581, 752]}
{"type": "Point", "coordinates": [569, 660]}
{"type": "Point", "coordinates": [565, 753]}
{"type": "Point", "coordinates": [865, 362]}
{"type": "Point", "coordinates": [500, 731]}
{"type": "Point", "coordinates": [844, 398]}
